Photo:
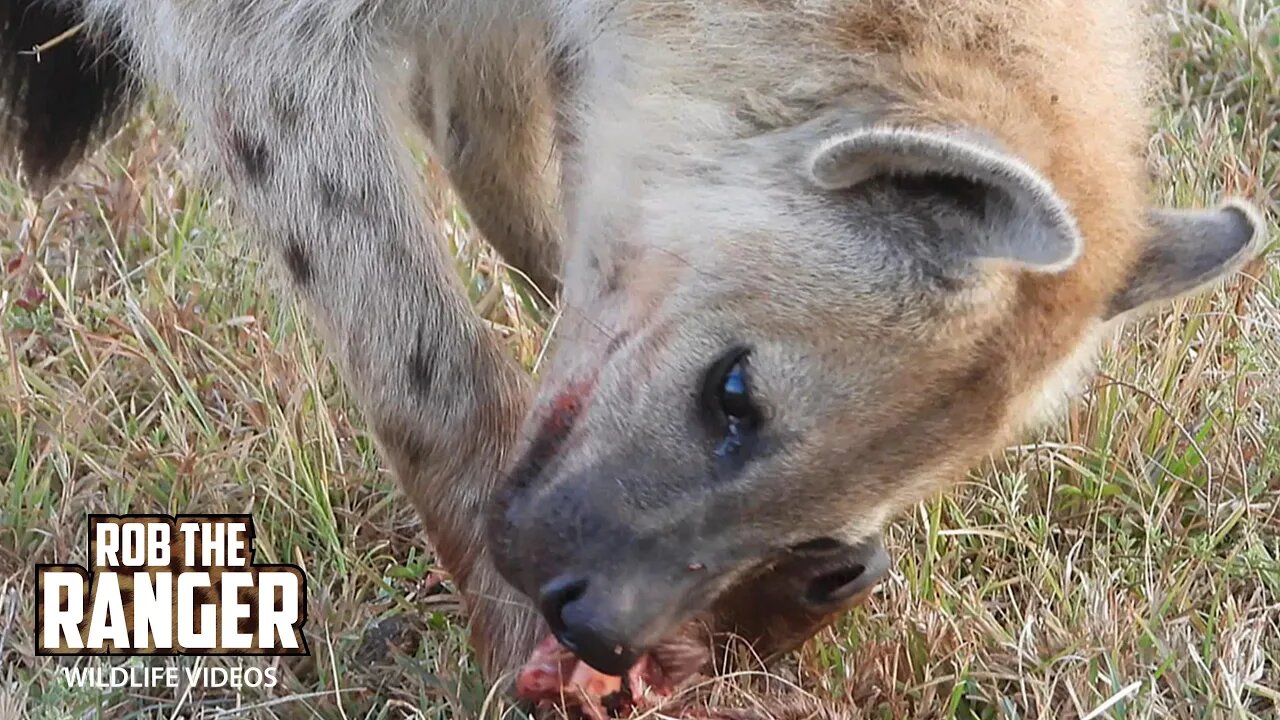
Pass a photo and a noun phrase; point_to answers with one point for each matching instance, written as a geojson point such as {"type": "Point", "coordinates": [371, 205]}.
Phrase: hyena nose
{"type": "Point", "coordinates": [592, 625]}
{"type": "Point", "coordinates": [846, 573]}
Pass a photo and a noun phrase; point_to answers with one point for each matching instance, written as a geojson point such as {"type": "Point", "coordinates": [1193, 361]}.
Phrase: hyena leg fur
{"type": "Point", "coordinates": [489, 117]}
{"type": "Point", "coordinates": [317, 174]}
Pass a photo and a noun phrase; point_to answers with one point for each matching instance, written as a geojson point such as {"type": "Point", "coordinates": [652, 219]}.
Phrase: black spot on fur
{"type": "Point", "coordinates": [57, 105]}
{"type": "Point", "coordinates": [253, 155]}
{"type": "Point", "coordinates": [295, 258]}
{"type": "Point", "coordinates": [332, 196]}
{"type": "Point", "coordinates": [613, 281]}
{"type": "Point", "coordinates": [421, 365]}
{"type": "Point", "coordinates": [287, 106]}
{"type": "Point", "coordinates": [338, 197]}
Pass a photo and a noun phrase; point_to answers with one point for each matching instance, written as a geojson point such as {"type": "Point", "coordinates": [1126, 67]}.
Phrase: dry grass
{"type": "Point", "coordinates": [1125, 566]}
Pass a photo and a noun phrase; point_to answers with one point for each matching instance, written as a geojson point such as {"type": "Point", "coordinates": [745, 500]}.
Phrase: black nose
{"type": "Point", "coordinates": [588, 624]}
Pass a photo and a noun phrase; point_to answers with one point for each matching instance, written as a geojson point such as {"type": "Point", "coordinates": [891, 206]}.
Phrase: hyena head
{"type": "Point", "coordinates": [775, 337]}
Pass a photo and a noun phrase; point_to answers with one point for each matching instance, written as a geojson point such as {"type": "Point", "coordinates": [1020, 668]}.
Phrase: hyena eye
{"type": "Point", "coordinates": [726, 393]}
{"type": "Point", "coordinates": [735, 394]}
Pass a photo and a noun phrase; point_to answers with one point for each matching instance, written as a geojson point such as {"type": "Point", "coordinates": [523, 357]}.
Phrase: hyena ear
{"type": "Point", "coordinates": [1187, 251]}
{"type": "Point", "coordinates": [1020, 219]}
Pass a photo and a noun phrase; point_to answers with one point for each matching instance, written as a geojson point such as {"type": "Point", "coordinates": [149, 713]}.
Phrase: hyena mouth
{"type": "Point", "coordinates": [776, 609]}
{"type": "Point", "coordinates": [555, 676]}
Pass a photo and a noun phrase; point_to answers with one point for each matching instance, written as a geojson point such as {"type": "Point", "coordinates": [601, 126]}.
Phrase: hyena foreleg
{"type": "Point", "coordinates": [293, 103]}
{"type": "Point", "coordinates": [488, 110]}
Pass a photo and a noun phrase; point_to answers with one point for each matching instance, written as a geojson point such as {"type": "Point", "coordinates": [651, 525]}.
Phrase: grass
{"type": "Point", "coordinates": [1126, 565]}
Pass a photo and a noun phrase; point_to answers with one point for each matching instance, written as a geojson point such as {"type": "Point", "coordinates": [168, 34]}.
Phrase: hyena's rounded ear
{"type": "Point", "coordinates": [1014, 217]}
{"type": "Point", "coordinates": [1186, 251]}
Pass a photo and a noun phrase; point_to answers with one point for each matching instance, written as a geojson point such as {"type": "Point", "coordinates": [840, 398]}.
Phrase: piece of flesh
{"type": "Point", "coordinates": [553, 676]}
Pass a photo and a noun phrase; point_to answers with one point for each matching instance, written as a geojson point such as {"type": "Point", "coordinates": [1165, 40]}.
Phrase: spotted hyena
{"type": "Point", "coordinates": [816, 259]}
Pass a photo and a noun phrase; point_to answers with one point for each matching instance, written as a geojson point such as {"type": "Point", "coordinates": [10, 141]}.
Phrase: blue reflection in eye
{"type": "Point", "coordinates": [735, 394]}
{"type": "Point", "coordinates": [739, 412]}
{"type": "Point", "coordinates": [735, 382]}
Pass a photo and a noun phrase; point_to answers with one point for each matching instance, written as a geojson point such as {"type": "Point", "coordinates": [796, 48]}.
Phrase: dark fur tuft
{"type": "Point", "coordinates": [58, 106]}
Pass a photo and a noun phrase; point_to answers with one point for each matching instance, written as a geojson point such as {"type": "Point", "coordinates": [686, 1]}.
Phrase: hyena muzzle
{"type": "Point", "coordinates": [815, 260]}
